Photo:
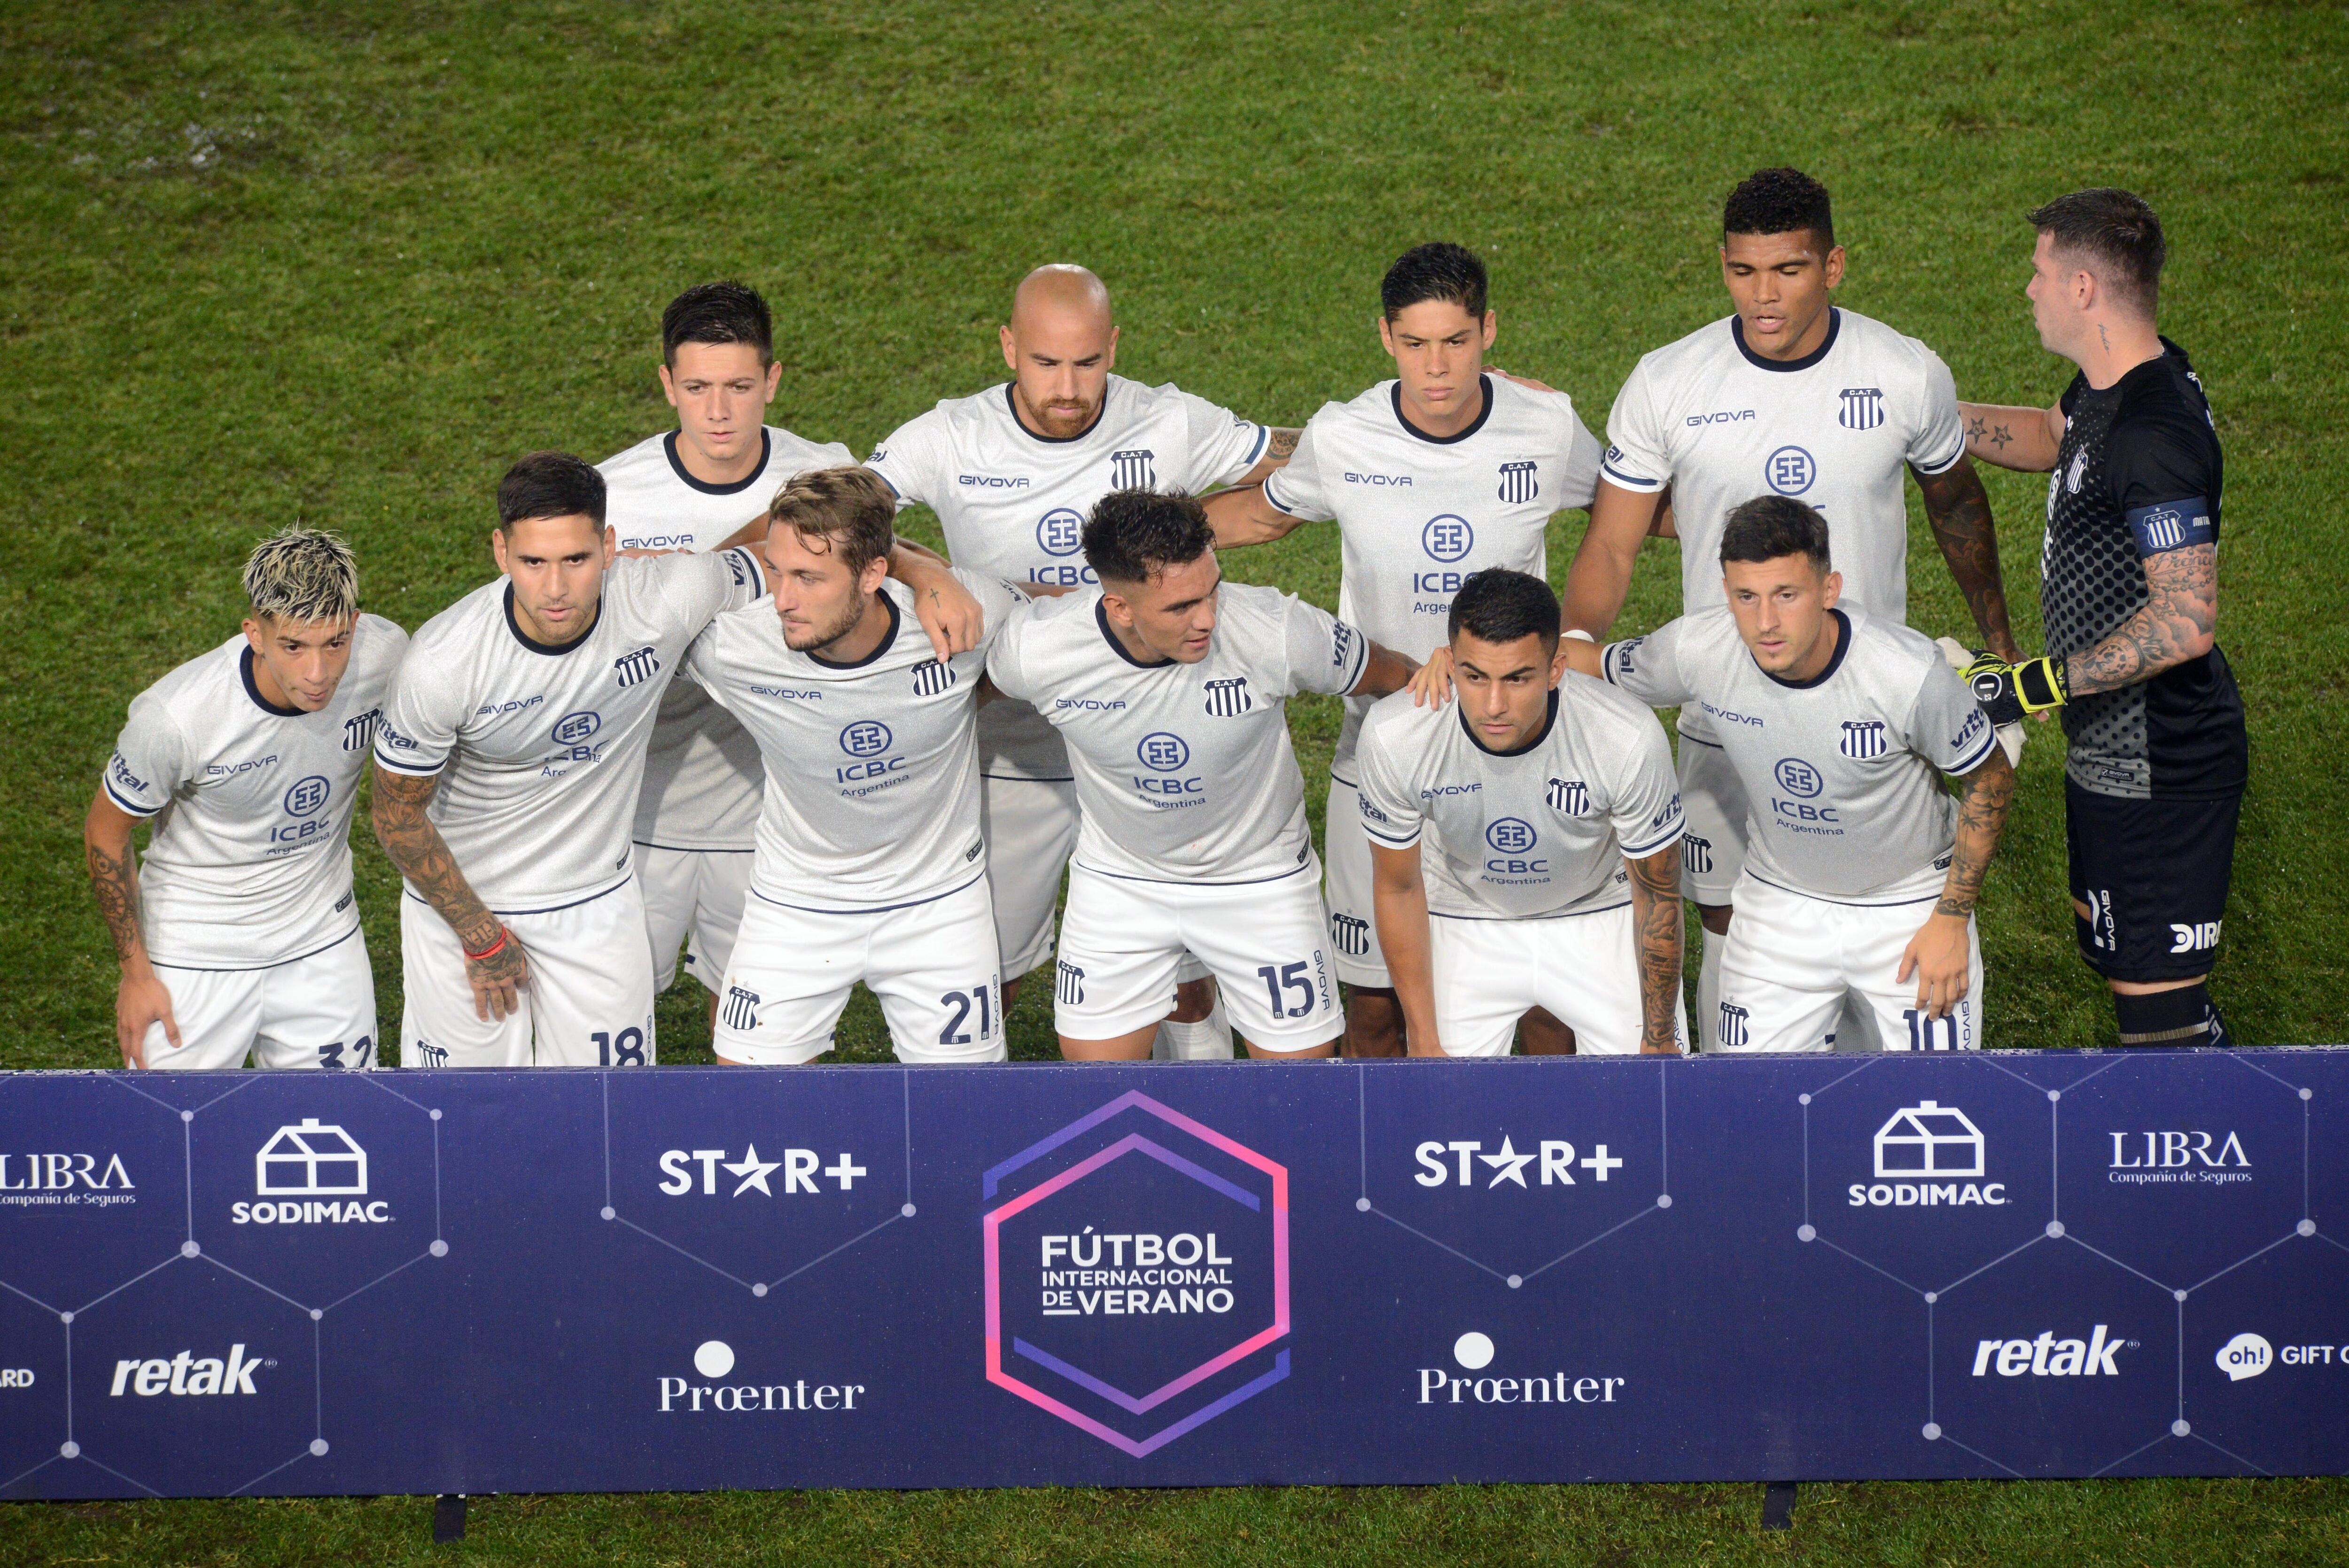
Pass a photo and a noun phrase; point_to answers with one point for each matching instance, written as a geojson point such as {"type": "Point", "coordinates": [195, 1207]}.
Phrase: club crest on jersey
{"type": "Point", "coordinates": [2078, 471]}
{"type": "Point", "coordinates": [1789, 471]}
{"type": "Point", "coordinates": [1447, 537]}
{"type": "Point", "coordinates": [1862, 739]}
{"type": "Point", "coordinates": [1061, 533]}
{"type": "Point", "coordinates": [1863, 407]}
{"type": "Point", "coordinates": [1131, 471]}
{"type": "Point", "coordinates": [358, 733]}
{"type": "Point", "coordinates": [640, 666]}
{"type": "Point", "coordinates": [1517, 482]}
{"type": "Point", "coordinates": [1569, 798]}
{"type": "Point", "coordinates": [1228, 697]}
{"type": "Point", "coordinates": [931, 677]}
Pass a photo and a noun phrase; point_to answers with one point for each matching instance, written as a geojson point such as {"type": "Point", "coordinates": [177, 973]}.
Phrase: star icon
{"type": "Point", "coordinates": [755, 1171]}
{"type": "Point", "coordinates": [1510, 1158]}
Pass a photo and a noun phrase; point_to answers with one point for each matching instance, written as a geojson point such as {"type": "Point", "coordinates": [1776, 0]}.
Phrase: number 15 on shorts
{"type": "Point", "coordinates": [1289, 979]}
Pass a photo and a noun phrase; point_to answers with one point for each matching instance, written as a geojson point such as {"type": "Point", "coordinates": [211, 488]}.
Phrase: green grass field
{"type": "Point", "coordinates": [340, 264]}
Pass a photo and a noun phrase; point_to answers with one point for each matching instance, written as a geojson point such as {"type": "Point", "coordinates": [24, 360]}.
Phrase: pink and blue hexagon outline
{"type": "Point", "coordinates": [1135, 1143]}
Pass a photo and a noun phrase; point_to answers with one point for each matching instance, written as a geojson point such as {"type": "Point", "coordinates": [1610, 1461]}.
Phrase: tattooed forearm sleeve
{"type": "Point", "coordinates": [1985, 796]}
{"type": "Point", "coordinates": [2178, 623]}
{"type": "Point", "coordinates": [423, 856]}
{"type": "Point", "coordinates": [114, 877]}
{"type": "Point", "coordinates": [1657, 936]}
{"type": "Point", "coordinates": [1959, 510]}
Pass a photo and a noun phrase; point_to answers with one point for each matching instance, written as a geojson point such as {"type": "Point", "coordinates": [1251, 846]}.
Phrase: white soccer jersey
{"type": "Point", "coordinates": [1013, 503]}
{"type": "Point", "coordinates": [872, 769]}
{"type": "Point", "coordinates": [539, 748]}
{"type": "Point", "coordinates": [1419, 513]}
{"type": "Point", "coordinates": [701, 772]}
{"type": "Point", "coordinates": [1184, 772]}
{"type": "Point", "coordinates": [1840, 769]}
{"type": "Point", "coordinates": [1721, 424]}
{"type": "Point", "coordinates": [1519, 835]}
{"type": "Point", "coordinates": [250, 862]}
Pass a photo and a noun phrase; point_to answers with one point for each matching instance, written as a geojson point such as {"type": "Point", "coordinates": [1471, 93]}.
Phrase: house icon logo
{"type": "Point", "coordinates": [312, 1159]}
{"type": "Point", "coordinates": [1928, 1140]}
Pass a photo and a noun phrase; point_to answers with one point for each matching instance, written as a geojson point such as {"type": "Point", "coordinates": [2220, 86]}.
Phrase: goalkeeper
{"type": "Point", "coordinates": [2157, 761]}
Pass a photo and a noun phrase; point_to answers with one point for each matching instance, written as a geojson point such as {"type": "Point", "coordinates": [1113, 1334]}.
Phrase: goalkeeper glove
{"type": "Point", "coordinates": [2007, 692]}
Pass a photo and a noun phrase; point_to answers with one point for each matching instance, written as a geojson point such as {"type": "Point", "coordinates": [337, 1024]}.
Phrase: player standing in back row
{"type": "Point", "coordinates": [1436, 475]}
{"type": "Point", "coordinates": [240, 932]}
{"type": "Point", "coordinates": [1012, 473]}
{"type": "Point", "coordinates": [2157, 762]}
{"type": "Point", "coordinates": [1795, 396]}
{"type": "Point", "coordinates": [697, 815]}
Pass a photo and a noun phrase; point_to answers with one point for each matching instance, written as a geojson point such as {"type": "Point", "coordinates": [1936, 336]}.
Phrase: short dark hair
{"type": "Point", "coordinates": [549, 484]}
{"type": "Point", "coordinates": [851, 509]}
{"type": "Point", "coordinates": [1436, 271]}
{"type": "Point", "coordinates": [724, 312]}
{"type": "Point", "coordinates": [1134, 534]}
{"type": "Point", "coordinates": [2115, 230]}
{"type": "Point", "coordinates": [1770, 526]}
{"type": "Point", "coordinates": [1778, 201]}
{"type": "Point", "coordinates": [1498, 605]}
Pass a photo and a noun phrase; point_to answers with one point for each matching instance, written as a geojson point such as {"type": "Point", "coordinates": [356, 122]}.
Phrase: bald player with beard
{"type": "Point", "coordinates": [1013, 472]}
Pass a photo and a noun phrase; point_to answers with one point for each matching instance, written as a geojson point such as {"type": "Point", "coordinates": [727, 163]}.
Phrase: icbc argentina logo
{"type": "Point", "coordinates": [1137, 1274]}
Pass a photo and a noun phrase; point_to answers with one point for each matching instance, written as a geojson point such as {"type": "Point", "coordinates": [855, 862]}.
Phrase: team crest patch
{"type": "Point", "coordinates": [1132, 471]}
{"type": "Point", "coordinates": [1863, 407]}
{"type": "Point", "coordinates": [1570, 797]}
{"type": "Point", "coordinates": [931, 677]}
{"type": "Point", "coordinates": [1862, 739]}
{"type": "Point", "coordinates": [640, 666]}
{"type": "Point", "coordinates": [1228, 697]}
{"type": "Point", "coordinates": [1518, 484]}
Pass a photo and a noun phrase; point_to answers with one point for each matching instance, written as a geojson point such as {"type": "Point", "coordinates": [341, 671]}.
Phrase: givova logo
{"type": "Point", "coordinates": [1136, 1248]}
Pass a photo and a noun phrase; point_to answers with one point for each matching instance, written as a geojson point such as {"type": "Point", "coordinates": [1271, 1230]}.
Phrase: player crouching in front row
{"type": "Point", "coordinates": [1539, 822]}
{"type": "Point", "coordinates": [1171, 687]}
{"type": "Point", "coordinates": [1835, 723]}
{"type": "Point", "coordinates": [242, 935]}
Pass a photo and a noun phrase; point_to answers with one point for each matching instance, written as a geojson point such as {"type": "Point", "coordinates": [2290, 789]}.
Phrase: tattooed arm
{"type": "Point", "coordinates": [140, 1001]}
{"type": "Point", "coordinates": [2024, 439]}
{"type": "Point", "coordinates": [1940, 951]}
{"type": "Point", "coordinates": [421, 855]}
{"type": "Point", "coordinates": [1657, 934]}
{"type": "Point", "coordinates": [1279, 446]}
{"type": "Point", "coordinates": [2178, 623]}
{"type": "Point", "coordinates": [1959, 510]}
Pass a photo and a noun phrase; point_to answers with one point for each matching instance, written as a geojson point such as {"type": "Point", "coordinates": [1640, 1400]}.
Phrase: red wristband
{"type": "Point", "coordinates": [489, 951]}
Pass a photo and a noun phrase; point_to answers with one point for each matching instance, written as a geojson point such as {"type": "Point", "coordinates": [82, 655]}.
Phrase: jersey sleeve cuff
{"type": "Point", "coordinates": [1946, 464]}
{"type": "Point", "coordinates": [1631, 481]}
{"type": "Point", "coordinates": [130, 806]}
{"type": "Point", "coordinates": [1279, 505]}
{"type": "Point", "coordinates": [1978, 756]}
{"type": "Point", "coordinates": [1263, 439]}
{"type": "Point", "coordinates": [412, 767]}
{"type": "Point", "coordinates": [1666, 836]}
{"type": "Point", "coordinates": [749, 562]}
{"type": "Point", "coordinates": [1389, 840]}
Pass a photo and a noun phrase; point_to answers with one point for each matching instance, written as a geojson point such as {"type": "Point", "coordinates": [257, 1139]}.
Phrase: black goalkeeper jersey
{"type": "Point", "coordinates": [2139, 472]}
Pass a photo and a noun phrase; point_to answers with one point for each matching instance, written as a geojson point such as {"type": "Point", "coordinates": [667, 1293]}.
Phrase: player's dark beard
{"type": "Point", "coordinates": [1061, 426]}
{"type": "Point", "coordinates": [821, 642]}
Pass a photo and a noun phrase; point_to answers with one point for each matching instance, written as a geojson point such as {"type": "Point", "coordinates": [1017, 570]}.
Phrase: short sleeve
{"type": "Point", "coordinates": [418, 727]}
{"type": "Point", "coordinates": [1579, 486]}
{"type": "Point", "coordinates": [702, 666]}
{"type": "Point", "coordinates": [697, 589]}
{"type": "Point", "coordinates": [997, 602]}
{"type": "Point", "coordinates": [1324, 654]}
{"type": "Point", "coordinates": [1646, 807]}
{"type": "Point", "coordinates": [1297, 488]}
{"type": "Point", "coordinates": [1389, 810]}
{"type": "Point", "coordinates": [1648, 668]}
{"type": "Point", "coordinates": [1939, 440]}
{"type": "Point", "coordinates": [1637, 456]}
{"type": "Point", "coordinates": [912, 460]}
{"type": "Point", "coordinates": [1004, 652]}
{"type": "Point", "coordinates": [150, 760]}
{"type": "Point", "coordinates": [2163, 471]}
{"type": "Point", "coordinates": [1223, 445]}
{"type": "Point", "coordinates": [1946, 727]}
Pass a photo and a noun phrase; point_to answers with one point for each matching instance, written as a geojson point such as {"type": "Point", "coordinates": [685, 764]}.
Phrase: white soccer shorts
{"type": "Point", "coordinates": [1712, 842]}
{"type": "Point", "coordinates": [589, 1002]}
{"type": "Point", "coordinates": [1030, 828]}
{"type": "Point", "coordinates": [693, 898]}
{"type": "Point", "coordinates": [1791, 957]}
{"type": "Point", "coordinates": [317, 1011]}
{"type": "Point", "coordinates": [1584, 968]}
{"type": "Point", "coordinates": [1353, 919]}
{"type": "Point", "coordinates": [1123, 940]}
{"type": "Point", "coordinates": [932, 964]}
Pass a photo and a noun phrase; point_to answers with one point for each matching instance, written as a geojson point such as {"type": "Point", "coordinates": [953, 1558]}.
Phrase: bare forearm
{"type": "Point", "coordinates": [1658, 935]}
{"type": "Point", "coordinates": [2012, 437]}
{"type": "Point", "coordinates": [1985, 796]}
{"type": "Point", "coordinates": [1279, 446]}
{"type": "Point", "coordinates": [114, 878]}
{"type": "Point", "coordinates": [1959, 510]}
{"type": "Point", "coordinates": [420, 853]}
{"type": "Point", "coordinates": [2178, 623]}
{"type": "Point", "coordinates": [1402, 915]}
{"type": "Point", "coordinates": [1385, 670]}
{"type": "Point", "coordinates": [1601, 574]}
{"type": "Point", "coordinates": [1241, 516]}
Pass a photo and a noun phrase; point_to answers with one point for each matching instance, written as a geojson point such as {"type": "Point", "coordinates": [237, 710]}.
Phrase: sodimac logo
{"type": "Point", "coordinates": [1136, 1249]}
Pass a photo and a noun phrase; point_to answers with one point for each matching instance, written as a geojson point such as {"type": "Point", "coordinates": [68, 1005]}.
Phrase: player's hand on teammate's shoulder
{"type": "Point", "coordinates": [1526, 381]}
{"type": "Point", "coordinates": [142, 1001]}
{"type": "Point", "coordinates": [1432, 685]}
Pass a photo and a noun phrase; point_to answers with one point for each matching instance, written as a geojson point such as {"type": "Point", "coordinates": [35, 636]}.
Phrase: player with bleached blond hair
{"type": "Point", "coordinates": [239, 933]}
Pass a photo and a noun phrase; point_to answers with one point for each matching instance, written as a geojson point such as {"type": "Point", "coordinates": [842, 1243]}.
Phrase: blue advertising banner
{"type": "Point", "coordinates": [1995, 1264]}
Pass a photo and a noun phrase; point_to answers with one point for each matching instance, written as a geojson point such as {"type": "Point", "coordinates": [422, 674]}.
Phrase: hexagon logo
{"type": "Point", "coordinates": [1141, 1251]}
